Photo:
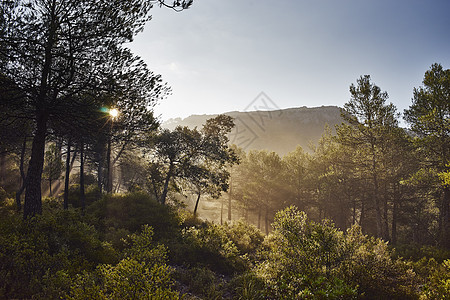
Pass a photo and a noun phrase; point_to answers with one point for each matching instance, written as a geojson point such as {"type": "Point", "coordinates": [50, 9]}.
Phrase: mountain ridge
{"type": "Point", "coordinates": [280, 130]}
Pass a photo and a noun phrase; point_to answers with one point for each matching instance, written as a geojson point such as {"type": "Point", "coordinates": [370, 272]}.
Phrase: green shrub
{"type": "Point", "coordinates": [120, 214]}
{"type": "Point", "coordinates": [207, 246]}
{"type": "Point", "coordinates": [247, 286]}
{"type": "Point", "coordinates": [3, 196]}
{"type": "Point", "coordinates": [308, 260]}
{"type": "Point", "coordinates": [247, 238]}
{"type": "Point", "coordinates": [37, 253]}
{"type": "Point", "coordinates": [92, 194]}
{"type": "Point", "coordinates": [201, 282]}
{"type": "Point", "coordinates": [374, 271]}
{"type": "Point", "coordinates": [142, 274]}
{"type": "Point", "coordinates": [437, 284]}
{"type": "Point", "coordinates": [418, 252]}
{"type": "Point", "coordinates": [7, 204]}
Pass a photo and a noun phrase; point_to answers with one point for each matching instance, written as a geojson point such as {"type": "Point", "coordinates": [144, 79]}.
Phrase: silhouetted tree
{"type": "Point", "coordinates": [55, 51]}
{"type": "Point", "coordinates": [58, 52]}
{"type": "Point", "coordinates": [53, 166]}
{"type": "Point", "coordinates": [371, 123]}
{"type": "Point", "coordinates": [199, 158]}
{"type": "Point", "coordinates": [429, 117]}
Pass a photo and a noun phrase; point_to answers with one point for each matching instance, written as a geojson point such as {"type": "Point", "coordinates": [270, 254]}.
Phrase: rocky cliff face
{"type": "Point", "coordinates": [277, 130]}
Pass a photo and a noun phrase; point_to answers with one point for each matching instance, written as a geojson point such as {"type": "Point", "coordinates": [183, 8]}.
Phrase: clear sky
{"type": "Point", "coordinates": [220, 54]}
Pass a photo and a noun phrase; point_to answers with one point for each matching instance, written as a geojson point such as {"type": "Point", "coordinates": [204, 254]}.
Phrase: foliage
{"type": "Point", "coordinates": [62, 256]}
{"type": "Point", "coordinates": [437, 285]}
{"type": "Point", "coordinates": [142, 274]}
{"type": "Point", "coordinates": [37, 255]}
{"type": "Point", "coordinates": [195, 159]}
{"type": "Point", "coordinates": [207, 246]}
{"type": "Point", "coordinates": [201, 282]}
{"type": "Point", "coordinates": [429, 117]}
{"type": "Point", "coordinates": [307, 259]}
{"type": "Point", "coordinates": [120, 214]}
{"type": "Point", "coordinates": [247, 238]}
{"type": "Point", "coordinates": [91, 195]}
{"type": "Point", "coordinates": [247, 286]}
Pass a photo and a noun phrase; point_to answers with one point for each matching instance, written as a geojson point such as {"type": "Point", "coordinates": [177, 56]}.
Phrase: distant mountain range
{"type": "Point", "coordinates": [275, 130]}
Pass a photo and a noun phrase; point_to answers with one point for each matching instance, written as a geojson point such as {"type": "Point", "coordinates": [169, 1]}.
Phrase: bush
{"type": "Point", "coordinates": [121, 214]}
{"type": "Point", "coordinates": [247, 286]}
{"type": "Point", "coordinates": [201, 282]}
{"type": "Point", "coordinates": [207, 246]}
{"type": "Point", "coordinates": [373, 270]}
{"type": "Point", "coordinates": [92, 194]}
{"type": "Point", "coordinates": [3, 196]}
{"type": "Point", "coordinates": [247, 238]}
{"type": "Point", "coordinates": [142, 274]}
{"type": "Point", "coordinates": [436, 279]}
{"type": "Point", "coordinates": [37, 254]}
{"type": "Point", "coordinates": [418, 252]}
{"type": "Point", "coordinates": [304, 259]}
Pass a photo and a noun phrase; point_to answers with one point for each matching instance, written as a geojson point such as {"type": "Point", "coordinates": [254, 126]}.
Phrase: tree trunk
{"type": "Point", "coordinates": [33, 196]}
{"type": "Point", "coordinates": [82, 193]}
{"type": "Point", "coordinates": [221, 212]}
{"type": "Point", "coordinates": [395, 214]}
{"type": "Point", "coordinates": [166, 184]}
{"type": "Point", "coordinates": [353, 211]}
{"type": "Point", "coordinates": [378, 209]}
{"type": "Point", "coordinates": [33, 200]}
{"type": "Point", "coordinates": [385, 214]}
{"type": "Point", "coordinates": [50, 185]}
{"type": "Point", "coordinates": [196, 203]}
{"type": "Point", "coordinates": [266, 220]}
{"type": "Point", "coordinates": [229, 199]}
{"type": "Point", "coordinates": [155, 188]}
{"type": "Point", "coordinates": [259, 218]}
{"type": "Point", "coordinates": [362, 217]}
{"type": "Point", "coordinates": [109, 178]}
{"type": "Point", "coordinates": [100, 172]}
{"type": "Point", "coordinates": [445, 219]}
{"type": "Point", "coordinates": [246, 211]}
{"type": "Point", "coordinates": [2, 168]}
{"type": "Point", "coordinates": [22, 175]}
{"type": "Point", "coordinates": [67, 176]}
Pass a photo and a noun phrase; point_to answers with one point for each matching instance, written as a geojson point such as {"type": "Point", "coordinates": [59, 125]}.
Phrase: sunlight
{"type": "Point", "coordinates": [114, 113]}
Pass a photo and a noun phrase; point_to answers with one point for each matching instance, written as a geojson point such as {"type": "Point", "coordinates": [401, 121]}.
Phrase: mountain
{"type": "Point", "coordinates": [275, 130]}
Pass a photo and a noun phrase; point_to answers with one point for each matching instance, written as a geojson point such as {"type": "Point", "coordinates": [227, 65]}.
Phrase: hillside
{"type": "Point", "coordinates": [277, 130]}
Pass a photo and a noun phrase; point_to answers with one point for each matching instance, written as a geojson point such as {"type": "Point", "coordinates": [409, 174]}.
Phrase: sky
{"type": "Point", "coordinates": [220, 55]}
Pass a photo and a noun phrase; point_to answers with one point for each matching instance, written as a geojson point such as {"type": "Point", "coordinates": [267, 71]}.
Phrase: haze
{"type": "Point", "coordinates": [219, 55]}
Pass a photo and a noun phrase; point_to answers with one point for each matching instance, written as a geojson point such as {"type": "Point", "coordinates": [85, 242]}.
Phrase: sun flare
{"type": "Point", "coordinates": [114, 112]}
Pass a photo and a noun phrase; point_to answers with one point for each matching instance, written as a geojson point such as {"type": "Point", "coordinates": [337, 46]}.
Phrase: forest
{"type": "Point", "coordinates": [93, 190]}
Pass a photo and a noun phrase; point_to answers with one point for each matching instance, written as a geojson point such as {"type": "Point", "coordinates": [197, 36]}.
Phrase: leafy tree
{"type": "Point", "coordinates": [335, 183]}
{"type": "Point", "coordinates": [174, 152]}
{"type": "Point", "coordinates": [296, 173]}
{"type": "Point", "coordinates": [237, 181]}
{"type": "Point", "coordinates": [429, 117]}
{"type": "Point", "coordinates": [53, 166]}
{"type": "Point", "coordinates": [371, 124]}
{"type": "Point", "coordinates": [55, 52]}
{"type": "Point", "coordinates": [218, 157]}
{"type": "Point", "coordinates": [264, 187]}
{"type": "Point", "coordinates": [198, 158]}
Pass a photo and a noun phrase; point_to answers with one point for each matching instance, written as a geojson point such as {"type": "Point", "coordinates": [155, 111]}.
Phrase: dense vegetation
{"type": "Point", "coordinates": [162, 253]}
{"type": "Point", "coordinates": [365, 214]}
{"type": "Point", "coordinates": [389, 180]}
